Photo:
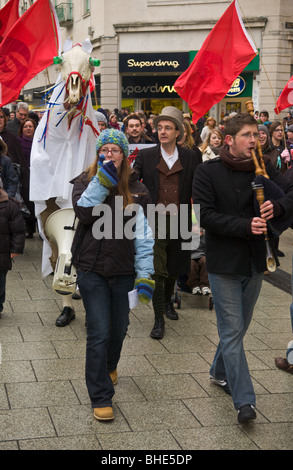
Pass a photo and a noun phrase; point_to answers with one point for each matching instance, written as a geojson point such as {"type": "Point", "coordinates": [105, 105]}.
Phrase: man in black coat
{"type": "Point", "coordinates": [236, 250]}
{"type": "Point", "coordinates": [21, 114]}
{"type": "Point", "coordinates": [167, 171]}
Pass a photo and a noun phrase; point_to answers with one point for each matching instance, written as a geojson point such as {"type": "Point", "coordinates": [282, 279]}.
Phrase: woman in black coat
{"type": "Point", "coordinates": [26, 134]}
{"type": "Point", "coordinates": [12, 237]}
{"type": "Point", "coordinates": [110, 260]}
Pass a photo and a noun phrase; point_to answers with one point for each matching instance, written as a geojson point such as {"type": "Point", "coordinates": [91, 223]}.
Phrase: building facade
{"type": "Point", "coordinates": [144, 45]}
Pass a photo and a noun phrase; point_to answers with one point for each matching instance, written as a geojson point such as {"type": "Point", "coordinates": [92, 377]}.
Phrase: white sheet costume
{"type": "Point", "coordinates": [60, 152]}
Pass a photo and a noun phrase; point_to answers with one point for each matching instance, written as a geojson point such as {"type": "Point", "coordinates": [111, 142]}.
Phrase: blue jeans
{"type": "Point", "coordinates": [234, 298]}
{"type": "Point", "coordinates": [107, 317]}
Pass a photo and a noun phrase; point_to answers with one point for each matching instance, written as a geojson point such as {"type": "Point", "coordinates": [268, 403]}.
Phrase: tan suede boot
{"type": "Point", "coordinates": [104, 414]}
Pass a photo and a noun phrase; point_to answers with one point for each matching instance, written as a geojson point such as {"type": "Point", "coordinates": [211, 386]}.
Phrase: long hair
{"type": "Point", "coordinates": [3, 147]}
{"type": "Point", "coordinates": [207, 142]}
{"type": "Point", "coordinates": [123, 182]}
{"type": "Point", "coordinates": [212, 120]}
{"type": "Point", "coordinates": [189, 141]}
{"type": "Point", "coordinates": [5, 117]}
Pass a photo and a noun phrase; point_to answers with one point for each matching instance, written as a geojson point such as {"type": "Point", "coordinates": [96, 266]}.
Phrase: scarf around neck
{"type": "Point", "coordinates": [215, 150]}
{"type": "Point", "coordinates": [235, 163]}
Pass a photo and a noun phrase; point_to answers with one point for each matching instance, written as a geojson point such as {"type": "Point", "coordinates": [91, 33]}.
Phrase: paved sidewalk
{"type": "Point", "coordinates": [163, 397]}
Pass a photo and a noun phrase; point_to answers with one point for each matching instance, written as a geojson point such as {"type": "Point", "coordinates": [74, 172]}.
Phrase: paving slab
{"type": "Point", "coordinates": [164, 399]}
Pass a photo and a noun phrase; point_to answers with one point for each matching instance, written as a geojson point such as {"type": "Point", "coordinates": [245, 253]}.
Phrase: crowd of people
{"type": "Point", "coordinates": [178, 163]}
{"type": "Point", "coordinates": [17, 133]}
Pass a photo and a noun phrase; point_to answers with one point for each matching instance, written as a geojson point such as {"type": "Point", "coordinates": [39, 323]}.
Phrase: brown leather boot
{"type": "Point", "coordinates": [284, 365]}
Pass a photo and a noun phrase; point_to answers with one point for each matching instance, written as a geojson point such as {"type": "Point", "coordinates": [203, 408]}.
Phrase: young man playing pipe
{"type": "Point", "coordinates": [235, 250]}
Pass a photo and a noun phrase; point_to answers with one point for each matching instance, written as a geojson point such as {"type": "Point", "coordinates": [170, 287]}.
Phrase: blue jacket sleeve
{"type": "Point", "coordinates": [144, 247]}
{"type": "Point", "coordinates": [94, 194]}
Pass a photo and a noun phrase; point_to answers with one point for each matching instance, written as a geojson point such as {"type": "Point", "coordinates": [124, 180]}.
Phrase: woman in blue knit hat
{"type": "Point", "coordinates": [110, 259]}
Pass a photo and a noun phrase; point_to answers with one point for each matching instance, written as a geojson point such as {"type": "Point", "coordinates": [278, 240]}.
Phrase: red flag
{"type": "Point", "coordinates": [224, 54]}
{"type": "Point", "coordinates": [8, 16]}
{"type": "Point", "coordinates": [286, 97]}
{"type": "Point", "coordinates": [27, 49]}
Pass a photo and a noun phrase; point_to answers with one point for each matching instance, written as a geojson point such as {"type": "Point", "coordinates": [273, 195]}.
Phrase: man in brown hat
{"type": "Point", "coordinates": [167, 171]}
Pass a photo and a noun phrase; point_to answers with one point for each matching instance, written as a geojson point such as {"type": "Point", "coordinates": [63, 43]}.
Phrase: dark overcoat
{"type": "Point", "coordinates": [12, 230]}
{"type": "Point", "coordinates": [226, 201]}
{"type": "Point", "coordinates": [145, 165]}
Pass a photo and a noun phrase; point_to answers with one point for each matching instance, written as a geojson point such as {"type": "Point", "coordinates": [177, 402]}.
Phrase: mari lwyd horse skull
{"type": "Point", "coordinates": [76, 69]}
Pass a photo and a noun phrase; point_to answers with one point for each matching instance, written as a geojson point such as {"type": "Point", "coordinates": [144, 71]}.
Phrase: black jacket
{"type": "Point", "coordinates": [12, 230]}
{"type": "Point", "coordinates": [145, 165]}
{"type": "Point", "coordinates": [116, 256]}
{"type": "Point", "coordinates": [147, 160]}
{"type": "Point", "coordinates": [226, 206]}
{"type": "Point", "coordinates": [8, 175]}
{"type": "Point", "coordinates": [13, 126]}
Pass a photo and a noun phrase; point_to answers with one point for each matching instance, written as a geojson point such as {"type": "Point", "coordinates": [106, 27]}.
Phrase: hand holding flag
{"type": "Point", "coordinates": [285, 99]}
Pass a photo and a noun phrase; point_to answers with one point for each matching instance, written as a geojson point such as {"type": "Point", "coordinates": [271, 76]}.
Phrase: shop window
{"type": "Point", "coordinates": [234, 107]}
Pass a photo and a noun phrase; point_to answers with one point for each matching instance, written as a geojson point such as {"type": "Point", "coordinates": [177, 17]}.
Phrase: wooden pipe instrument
{"type": "Point", "coordinates": [260, 169]}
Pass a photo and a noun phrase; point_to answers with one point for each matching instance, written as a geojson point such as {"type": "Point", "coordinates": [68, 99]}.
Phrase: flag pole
{"type": "Point", "coordinates": [54, 25]}
{"type": "Point", "coordinates": [55, 36]}
{"type": "Point", "coordinates": [265, 73]}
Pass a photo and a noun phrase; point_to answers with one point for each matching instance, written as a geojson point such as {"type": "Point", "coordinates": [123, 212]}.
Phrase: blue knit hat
{"type": "Point", "coordinates": [113, 136]}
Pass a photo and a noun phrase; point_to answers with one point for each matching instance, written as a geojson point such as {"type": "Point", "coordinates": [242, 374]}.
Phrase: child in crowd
{"type": "Point", "coordinates": [198, 278]}
{"type": "Point", "coordinates": [12, 237]}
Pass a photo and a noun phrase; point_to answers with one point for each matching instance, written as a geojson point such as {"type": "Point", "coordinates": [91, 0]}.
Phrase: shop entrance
{"type": "Point", "coordinates": [151, 106]}
{"type": "Point", "coordinates": [155, 106]}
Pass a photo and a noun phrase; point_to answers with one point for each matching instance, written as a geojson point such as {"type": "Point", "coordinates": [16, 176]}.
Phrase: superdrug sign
{"type": "Point", "coordinates": [154, 62]}
{"type": "Point", "coordinates": [149, 87]}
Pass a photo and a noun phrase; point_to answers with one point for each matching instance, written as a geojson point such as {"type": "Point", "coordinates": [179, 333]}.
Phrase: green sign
{"type": "Point", "coordinates": [251, 67]}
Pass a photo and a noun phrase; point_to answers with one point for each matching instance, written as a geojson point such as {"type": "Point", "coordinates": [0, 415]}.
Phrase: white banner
{"type": "Point", "coordinates": [135, 148]}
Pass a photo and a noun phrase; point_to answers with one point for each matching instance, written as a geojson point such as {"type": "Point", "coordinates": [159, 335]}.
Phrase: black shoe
{"type": "Point", "coordinates": [66, 316]}
{"type": "Point", "coordinates": [280, 254]}
{"type": "Point", "coordinates": [246, 413]}
{"type": "Point", "coordinates": [170, 312]}
{"type": "Point", "coordinates": [158, 330]}
{"type": "Point", "coordinates": [76, 296]}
